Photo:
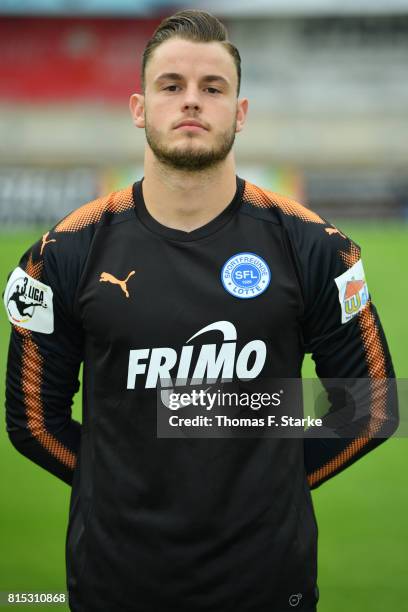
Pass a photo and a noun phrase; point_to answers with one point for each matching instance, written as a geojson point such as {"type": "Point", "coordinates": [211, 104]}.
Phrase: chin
{"type": "Point", "coordinates": [191, 149]}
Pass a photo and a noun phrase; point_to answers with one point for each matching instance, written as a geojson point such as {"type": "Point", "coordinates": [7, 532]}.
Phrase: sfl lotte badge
{"type": "Point", "coordinates": [245, 275]}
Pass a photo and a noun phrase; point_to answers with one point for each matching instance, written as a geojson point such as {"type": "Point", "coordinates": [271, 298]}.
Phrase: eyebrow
{"type": "Point", "coordinates": [174, 76]}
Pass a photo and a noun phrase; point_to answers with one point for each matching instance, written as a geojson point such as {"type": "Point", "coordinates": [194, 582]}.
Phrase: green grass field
{"type": "Point", "coordinates": [362, 513]}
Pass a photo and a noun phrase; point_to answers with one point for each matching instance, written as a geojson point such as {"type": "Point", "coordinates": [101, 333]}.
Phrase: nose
{"type": "Point", "coordinates": [191, 100]}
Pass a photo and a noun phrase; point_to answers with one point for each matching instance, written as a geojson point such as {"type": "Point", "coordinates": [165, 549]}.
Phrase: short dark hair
{"type": "Point", "coordinates": [196, 26]}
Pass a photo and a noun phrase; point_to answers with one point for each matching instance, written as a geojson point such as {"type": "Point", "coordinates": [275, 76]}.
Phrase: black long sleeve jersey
{"type": "Point", "coordinates": [186, 524]}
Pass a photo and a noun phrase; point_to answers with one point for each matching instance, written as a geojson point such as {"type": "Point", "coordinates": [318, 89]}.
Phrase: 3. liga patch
{"type": "Point", "coordinates": [29, 303]}
{"type": "Point", "coordinates": [353, 291]}
{"type": "Point", "coordinates": [245, 275]}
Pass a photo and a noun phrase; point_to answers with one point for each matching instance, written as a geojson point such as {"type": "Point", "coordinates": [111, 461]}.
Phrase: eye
{"type": "Point", "coordinates": [212, 90]}
{"type": "Point", "coordinates": [172, 88]}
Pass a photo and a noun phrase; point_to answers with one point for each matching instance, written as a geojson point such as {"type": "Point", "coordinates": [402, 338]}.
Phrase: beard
{"type": "Point", "coordinates": [189, 157]}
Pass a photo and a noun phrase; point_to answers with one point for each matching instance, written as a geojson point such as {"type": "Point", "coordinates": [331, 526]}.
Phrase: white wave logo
{"type": "Point", "coordinates": [159, 364]}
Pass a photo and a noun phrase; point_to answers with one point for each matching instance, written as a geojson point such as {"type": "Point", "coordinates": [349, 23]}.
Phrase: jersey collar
{"type": "Point", "coordinates": [179, 235]}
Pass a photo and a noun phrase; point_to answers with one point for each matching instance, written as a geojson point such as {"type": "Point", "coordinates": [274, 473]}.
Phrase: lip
{"type": "Point", "coordinates": [191, 125]}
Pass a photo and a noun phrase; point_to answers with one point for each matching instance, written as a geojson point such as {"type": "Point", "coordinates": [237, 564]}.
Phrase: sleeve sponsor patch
{"type": "Point", "coordinates": [29, 303]}
{"type": "Point", "coordinates": [353, 291]}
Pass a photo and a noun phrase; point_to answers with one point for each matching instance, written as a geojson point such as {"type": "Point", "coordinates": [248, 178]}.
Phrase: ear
{"type": "Point", "coordinates": [136, 105]}
{"type": "Point", "coordinates": [242, 110]}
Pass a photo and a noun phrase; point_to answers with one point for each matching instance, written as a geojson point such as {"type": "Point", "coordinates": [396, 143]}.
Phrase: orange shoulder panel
{"type": "Point", "coordinates": [350, 256]}
{"type": "Point", "coordinates": [263, 198]}
{"type": "Point", "coordinates": [115, 202]}
{"type": "Point", "coordinates": [34, 269]}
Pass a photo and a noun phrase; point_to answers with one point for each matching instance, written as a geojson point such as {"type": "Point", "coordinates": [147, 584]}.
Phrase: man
{"type": "Point", "coordinates": [185, 278]}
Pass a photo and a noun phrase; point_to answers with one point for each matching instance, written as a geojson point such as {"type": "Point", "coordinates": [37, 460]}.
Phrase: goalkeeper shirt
{"type": "Point", "coordinates": [197, 524]}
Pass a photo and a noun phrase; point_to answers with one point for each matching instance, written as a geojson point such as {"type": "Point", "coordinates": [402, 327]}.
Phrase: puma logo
{"type": "Point", "coordinates": [333, 230]}
{"type": "Point", "coordinates": [105, 277]}
{"type": "Point", "coordinates": [44, 242]}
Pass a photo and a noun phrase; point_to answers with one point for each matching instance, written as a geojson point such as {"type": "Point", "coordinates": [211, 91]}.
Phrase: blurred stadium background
{"type": "Point", "coordinates": [328, 87]}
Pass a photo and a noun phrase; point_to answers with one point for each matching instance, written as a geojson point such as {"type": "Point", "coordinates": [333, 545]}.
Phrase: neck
{"type": "Point", "coordinates": [187, 200]}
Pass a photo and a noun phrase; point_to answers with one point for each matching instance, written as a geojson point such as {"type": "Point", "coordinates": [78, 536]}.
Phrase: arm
{"type": "Point", "coordinates": [346, 339]}
{"type": "Point", "coordinates": [343, 332]}
{"type": "Point", "coordinates": [44, 358]}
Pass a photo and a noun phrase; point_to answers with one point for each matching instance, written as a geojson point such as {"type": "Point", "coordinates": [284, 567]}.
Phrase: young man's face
{"type": "Point", "coordinates": [190, 109]}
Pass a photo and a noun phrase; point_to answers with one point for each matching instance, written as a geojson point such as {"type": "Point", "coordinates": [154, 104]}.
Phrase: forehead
{"type": "Point", "coordinates": [191, 59]}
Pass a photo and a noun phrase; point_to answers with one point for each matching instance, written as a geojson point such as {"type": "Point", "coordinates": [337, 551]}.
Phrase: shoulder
{"type": "Point", "coordinates": [54, 264]}
{"type": "Point", "coordinates": [68, 243]}
{"type": "Point", "coordinates": [61, 252]}
{"type": "Point", "coordinates": [319, 249]}
{"type": "Point", "coordinates": [93, 212]}
{"type": "Point", "coordinates": [286, 208]}
{"type": "Point", "coordinates": [308, 231]}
